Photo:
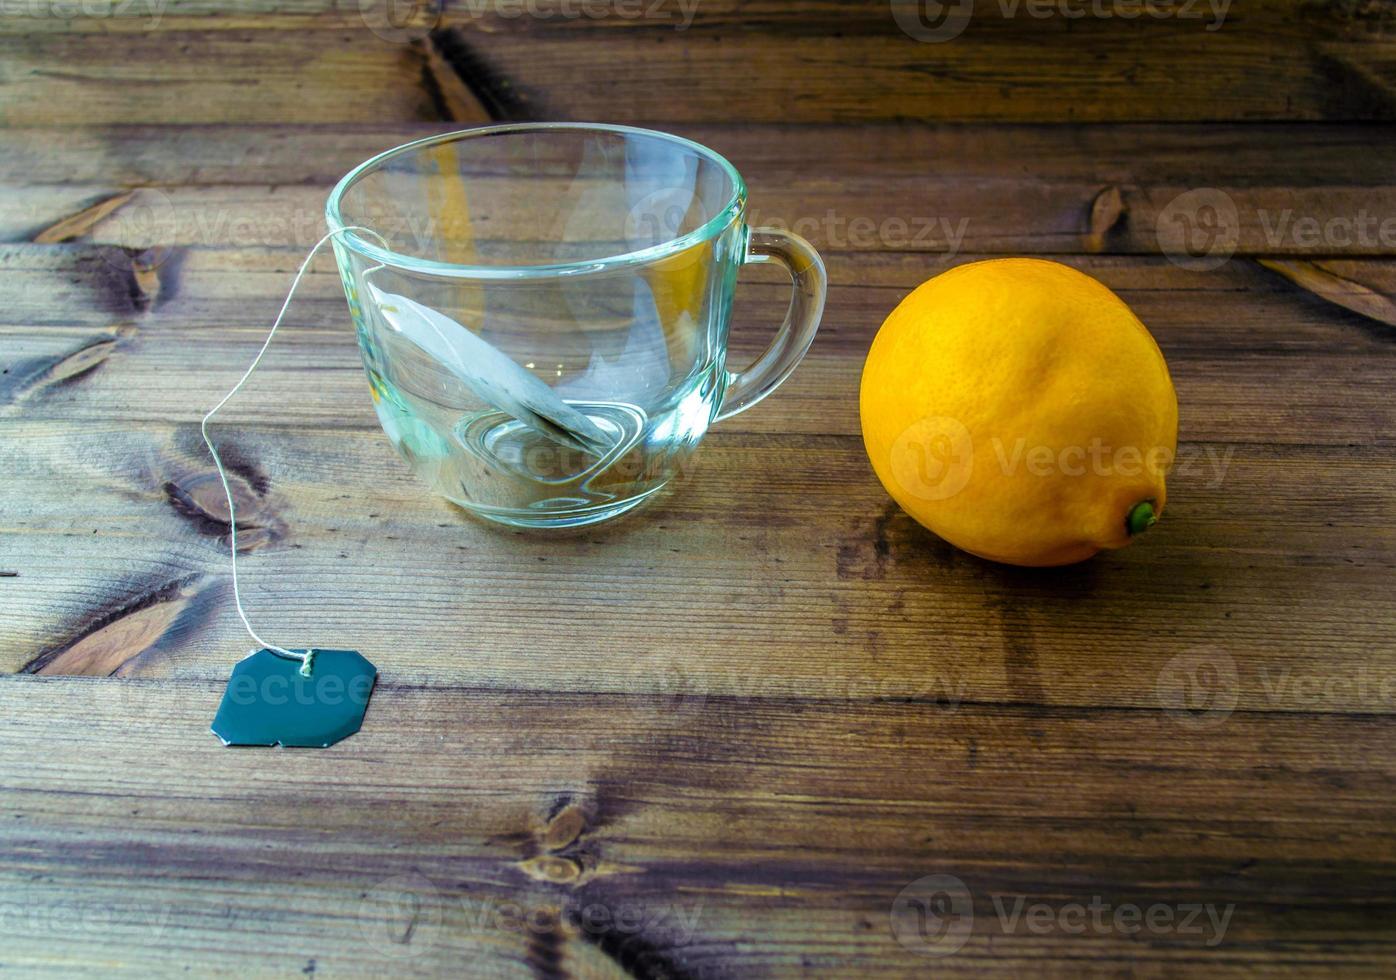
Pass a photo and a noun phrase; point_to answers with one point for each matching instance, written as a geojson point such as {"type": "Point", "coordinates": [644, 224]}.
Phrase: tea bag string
{"type": "Point", "coordinates": [306, 657]}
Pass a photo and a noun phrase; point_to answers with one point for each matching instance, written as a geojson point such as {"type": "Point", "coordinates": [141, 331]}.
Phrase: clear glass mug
{"type": "Point", "coordinates": [543, 310]}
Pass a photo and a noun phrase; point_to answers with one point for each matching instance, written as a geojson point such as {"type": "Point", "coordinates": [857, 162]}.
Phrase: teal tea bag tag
{"type": "Point", "coordinates": [311, 702]}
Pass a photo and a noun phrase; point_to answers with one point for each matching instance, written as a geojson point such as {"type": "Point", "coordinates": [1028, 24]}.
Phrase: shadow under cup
{"type": "Point", "coordinates": [543, 311]}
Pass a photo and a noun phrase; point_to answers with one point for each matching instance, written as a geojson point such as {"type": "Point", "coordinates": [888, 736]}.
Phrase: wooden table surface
{"type": "Point", "coordinates": [729, 737]}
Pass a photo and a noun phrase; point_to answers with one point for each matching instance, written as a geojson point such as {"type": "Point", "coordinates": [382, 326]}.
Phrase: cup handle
{"type": "Point", "coordinates": [792, 340]}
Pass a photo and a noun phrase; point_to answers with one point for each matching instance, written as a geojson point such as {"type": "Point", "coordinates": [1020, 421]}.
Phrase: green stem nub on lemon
{"type": "Point", "coordinates": [1141, 518]}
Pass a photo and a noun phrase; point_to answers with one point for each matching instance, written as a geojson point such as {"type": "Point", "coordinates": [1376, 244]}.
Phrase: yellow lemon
{"type": "Point", "coordinates": [1020, 410]}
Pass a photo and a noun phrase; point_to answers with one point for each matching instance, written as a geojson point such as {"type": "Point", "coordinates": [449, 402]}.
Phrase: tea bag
{"type": "Point", "coordinates": [492, 375]}
{"type": "Point", "coordinates": [275, 695]}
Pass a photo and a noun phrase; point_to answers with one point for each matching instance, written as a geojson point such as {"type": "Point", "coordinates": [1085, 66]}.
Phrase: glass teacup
{"type": "Point", "coordinates": [543, 310]}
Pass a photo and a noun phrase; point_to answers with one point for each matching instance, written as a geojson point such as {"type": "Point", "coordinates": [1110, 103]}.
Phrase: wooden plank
{"type": "Point", "coordinates": [1090, 77]}
{"type": "Point", "coordinates": [1365, 74]}
{"type": "Point", "coordinates": [195, 77]}
{"type": "Point", "coordinates": [822, 61]}
{"type": "Point", "coordinates": [933, 216]}
{"type": "Point", "coordinates": [1229, 334]}
{"type": "Point", "coordinates": [1183, 154]}
{"type": "Point", "coordinates": [262, 154]}
{"type": "Point", "coordinates": [855, 62]}
{"type": "Point", "coordinates": [252, 186]}
{"type": "Point", "coordinates": [450, 804]}
{"type": "Point", "coordinates": [778, 568]}
{"type": "Point", "coordinates": [1283, 18]}
{"type": "Point", "coordinates": [822, 400]}
{"type": "Point", "coordinates": [149, 16]}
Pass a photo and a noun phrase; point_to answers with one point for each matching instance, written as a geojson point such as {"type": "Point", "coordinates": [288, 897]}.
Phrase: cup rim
{"type": "Point", "coordinates": [341, 232]}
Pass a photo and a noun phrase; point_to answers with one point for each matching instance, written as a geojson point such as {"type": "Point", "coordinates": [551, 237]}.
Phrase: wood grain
{"type": "Point", "coordinates": [1255, 359]}
{"type": "Point", "coordinates": [739, 725]}
{"type": "Point", "coordinates": [760, 837]}
{"type": "Point", "coordinates": [255, 186]}
{"type": "Point", "coordinates": [1229, 332]}
{"type": "Point", "coordinates": [833, 602]}
{"type": "Point", "coordinates": [1321, 280]}
{"type": "Point", "coordinates": [665, 60]}
{"type": "Point", "coordinates": [1185, 154]}
{"type": "Point", "coordinates": [267, 75]}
